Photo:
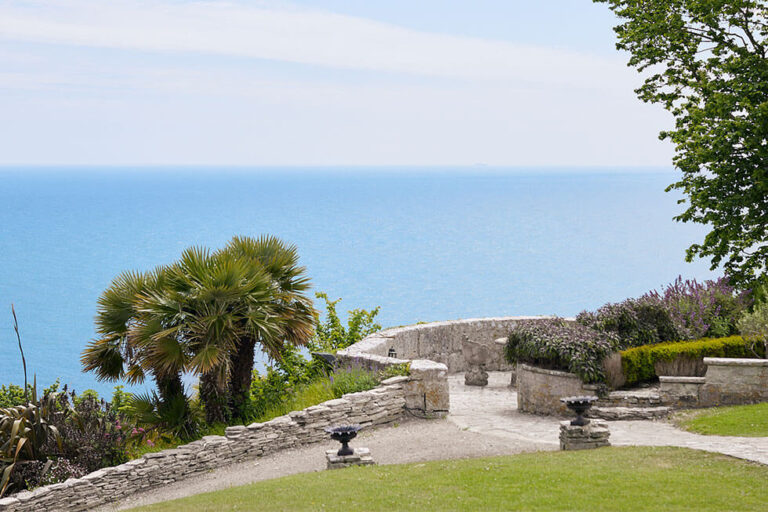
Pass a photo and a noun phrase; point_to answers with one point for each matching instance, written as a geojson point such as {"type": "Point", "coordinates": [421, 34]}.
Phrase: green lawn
{"type": "Point", "coordinates": [739, 420]}
{"type": "Point", "coordinates": [633, 478]}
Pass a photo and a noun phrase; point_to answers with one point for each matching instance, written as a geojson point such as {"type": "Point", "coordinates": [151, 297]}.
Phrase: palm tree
{"type": "Point", "coordinates": [203, 314]}
{"type": "Point", "coordinates": [210, 302]}
{"type": "Point", "coordinates": [117, 353]}
{"type": "Point", "coordinates": [293, 310]}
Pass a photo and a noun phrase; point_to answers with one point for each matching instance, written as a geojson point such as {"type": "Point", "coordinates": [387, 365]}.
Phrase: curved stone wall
{"type": "Point", "coordinates": [436, 341]}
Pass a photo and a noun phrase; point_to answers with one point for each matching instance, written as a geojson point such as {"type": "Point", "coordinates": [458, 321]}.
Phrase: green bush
{"type": "Point", "coordinates": [560, 345]}
{"type": "Point", "coordinates": [636, 322]}
{"type": "Point", "coordinates": [638, 363]}
{"type": "Point", "coordinates": [754, 326]}
{"type": "Point", "coordinates": [321, 389]}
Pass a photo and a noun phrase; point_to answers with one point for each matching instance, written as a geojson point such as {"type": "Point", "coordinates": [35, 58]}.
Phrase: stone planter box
{"type": "Point", "coordinates": [539, 390]}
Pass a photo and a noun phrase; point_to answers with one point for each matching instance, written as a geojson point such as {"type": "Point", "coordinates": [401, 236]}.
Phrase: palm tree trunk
{"type": "Point", "coordinates": [169, 387]}
{"type": "Point", "coordinates": [241, 373]}
{"type": "Point", "coordinates": [214, 398]}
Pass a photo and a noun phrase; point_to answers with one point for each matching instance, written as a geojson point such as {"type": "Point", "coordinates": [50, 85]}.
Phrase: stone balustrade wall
{"type": "Point", "coordinates": [378, 406]}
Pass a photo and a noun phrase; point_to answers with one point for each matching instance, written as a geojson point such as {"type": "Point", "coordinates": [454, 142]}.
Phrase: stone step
{"type": "Point", "coordinates": [629, 413]}
{"type": "Point", "coordinates": [633, 398]}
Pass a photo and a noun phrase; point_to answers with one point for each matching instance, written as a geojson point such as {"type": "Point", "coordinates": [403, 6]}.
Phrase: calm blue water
{"type": "Point", "coordinates": [422, 245]}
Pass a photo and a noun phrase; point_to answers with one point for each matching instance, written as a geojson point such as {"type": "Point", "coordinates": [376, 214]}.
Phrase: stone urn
{"type": "Point", "coordinates": [476, 355]}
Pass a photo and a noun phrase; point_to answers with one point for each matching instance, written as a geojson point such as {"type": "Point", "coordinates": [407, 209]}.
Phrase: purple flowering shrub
{"type": "Point", "coordinates": [683, 310]}
{"type": "Point", "coordinates": [709, 309]}
{"type": "Point", "coordinates": [634, 322]}
{"type": "Point", "coordinates": [558, 344]}
{"type": "Point", "coordinates": [91, 432]}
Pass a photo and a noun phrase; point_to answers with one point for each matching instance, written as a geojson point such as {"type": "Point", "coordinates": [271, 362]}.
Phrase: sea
{"type": "Point", "coordinates": [422, 244]}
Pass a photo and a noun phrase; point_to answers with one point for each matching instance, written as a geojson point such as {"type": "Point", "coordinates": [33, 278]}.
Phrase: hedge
{"type": "Point", "coordinates": [638, 363]}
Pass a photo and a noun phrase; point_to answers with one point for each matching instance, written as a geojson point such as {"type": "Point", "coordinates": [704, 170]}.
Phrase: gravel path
{"type": "Point", "coordinates": [483, 422]}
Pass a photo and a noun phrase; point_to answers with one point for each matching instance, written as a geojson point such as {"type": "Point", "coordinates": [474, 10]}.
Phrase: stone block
{"type": "Point", "coordinates": [595, 434]}
{"type": "Point", "coordinates": [359, 457]}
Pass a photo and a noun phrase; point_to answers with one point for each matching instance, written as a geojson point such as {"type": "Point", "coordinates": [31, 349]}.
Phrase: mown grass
{"type": "Point", "coordinates": [608, 479]}
{"type": "Point", "coordinates": [739, 420]}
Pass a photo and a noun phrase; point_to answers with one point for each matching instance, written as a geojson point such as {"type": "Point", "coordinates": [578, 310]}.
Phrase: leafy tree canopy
{"type": "Point", "coordinates": [706, 64]}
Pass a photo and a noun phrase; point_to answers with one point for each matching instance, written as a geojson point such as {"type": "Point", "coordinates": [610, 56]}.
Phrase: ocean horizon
{"type": "Point", "coordinates": [424, 244]}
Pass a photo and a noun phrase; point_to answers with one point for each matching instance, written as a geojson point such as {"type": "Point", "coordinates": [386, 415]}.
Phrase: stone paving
{"type": "Point", "coordinates": [492, 410]}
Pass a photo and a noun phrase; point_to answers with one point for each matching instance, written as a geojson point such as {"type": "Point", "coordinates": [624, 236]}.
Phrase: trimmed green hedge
{"type": "Point", "coordinates": [638, 363]}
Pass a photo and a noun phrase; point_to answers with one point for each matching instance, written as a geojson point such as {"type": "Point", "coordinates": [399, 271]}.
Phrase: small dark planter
{"type": "Point", "coordinates": [579, 405]}
{"type": "Point", "coordinates": [344, 434]}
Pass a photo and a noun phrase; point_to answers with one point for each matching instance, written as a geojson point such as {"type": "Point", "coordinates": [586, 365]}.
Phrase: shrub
{"type": "Point", "coordinates": [91, 431]}
{"type": "Point", "coordinates": [396, 370]}
{"type": "Point", "coordinates": [560, 345]}
{"type": "Point", "coordinates": [24, 434]}
{"type": "Point", "coordinates": [291, 371]}
{"type": "Point", "coordinates": [754, 327]}
{"type": "Point", "coordinates": [352, 380]}
{"type": "Point", "coordinates": [35, 473]}
{"type": "Point", "coordinates": [634, 322]}
{"type": "Point", "coordinates": [331, 335]}
{"type": "Point", "coordinates": [638, 364]}
{"type": "Point", "coordinates": [708, 309]}
{"type": "Point", "coordinates": [321, 389]}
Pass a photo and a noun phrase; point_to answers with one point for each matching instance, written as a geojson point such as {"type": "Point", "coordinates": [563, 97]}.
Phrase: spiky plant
{"type": "Point", "coordinates": [24, 432]}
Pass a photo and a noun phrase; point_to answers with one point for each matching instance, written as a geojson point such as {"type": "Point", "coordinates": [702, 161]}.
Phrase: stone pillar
{"type": "Point", "coordinates": [592, 435]}
{"type": "Point", "coordinates": [426, 393]}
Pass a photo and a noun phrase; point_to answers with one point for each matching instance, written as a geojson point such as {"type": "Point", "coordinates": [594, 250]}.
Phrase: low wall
{"type": "Point", "coordinates": [734, 381]}
{"type": "Point", "coordinates": [539, 390]}
{"type": "Point", "coordinates": [378, 406]}
{"type": "Point", "coordinates": [436, 341]}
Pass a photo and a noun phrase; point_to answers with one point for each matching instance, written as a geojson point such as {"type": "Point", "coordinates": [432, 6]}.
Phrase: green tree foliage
{"type": "Point", "coordinates": [292, 371]}
{"type": "Point", "coordinates": [706, 64]}
{"type": "Point", "coordinates": [330, 333]}
{"type": "Point", "coordinates": [203, 314]}
{"type": "Point", "coordinates": [754, 327]}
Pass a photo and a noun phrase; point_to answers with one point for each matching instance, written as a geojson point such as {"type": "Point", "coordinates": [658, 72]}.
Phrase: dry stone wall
{"type": "Point", "coordinates": [381, 405]}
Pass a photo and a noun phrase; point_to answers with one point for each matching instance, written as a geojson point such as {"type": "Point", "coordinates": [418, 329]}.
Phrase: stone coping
{"type": "Point", "coordinates": [545, 371]}
{"type": "Point", "coordinates": [727, 361]}
{"type": "Point", "coordinates": [682, 380]}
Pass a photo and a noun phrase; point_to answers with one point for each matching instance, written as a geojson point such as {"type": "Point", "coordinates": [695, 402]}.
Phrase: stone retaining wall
{"type": "Point", "coordinates": [727, 381]}
{"type": "Point", "coordinates": [378, 406]}
{"type": "Point", "coordinates": [734, 381]}
{"type": "Point", "coordinates": [539, 390]}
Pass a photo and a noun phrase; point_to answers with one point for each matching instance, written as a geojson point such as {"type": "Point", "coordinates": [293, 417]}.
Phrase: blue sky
{"type": "Point", "coordinates": [319, 82]}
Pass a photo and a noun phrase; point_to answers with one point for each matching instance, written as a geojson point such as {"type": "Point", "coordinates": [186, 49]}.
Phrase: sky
{"type": "Point", "coordinates": [320, 82]}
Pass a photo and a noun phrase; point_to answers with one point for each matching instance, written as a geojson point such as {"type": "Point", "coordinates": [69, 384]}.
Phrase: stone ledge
{"type": "Point", "coordinates": [544, 371]}
{"type": "Point", "coordinates": [727, 361]}
{"type": "Point", "coordinates": [681, 380]}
